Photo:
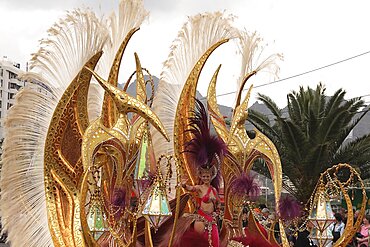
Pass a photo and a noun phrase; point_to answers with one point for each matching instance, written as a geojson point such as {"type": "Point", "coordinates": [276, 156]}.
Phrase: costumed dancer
{"type": "Point", "coordinates": [206, 153]}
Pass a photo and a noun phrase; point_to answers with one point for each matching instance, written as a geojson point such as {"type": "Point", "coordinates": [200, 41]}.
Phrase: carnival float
{"type": "Point", "coordinates": [87, 164]}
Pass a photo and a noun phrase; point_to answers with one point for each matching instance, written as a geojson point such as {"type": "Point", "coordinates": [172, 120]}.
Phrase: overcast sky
{"type": "Point", "coordinates": [310, 34]}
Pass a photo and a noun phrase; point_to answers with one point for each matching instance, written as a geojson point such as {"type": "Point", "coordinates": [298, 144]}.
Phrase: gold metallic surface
{"type": "Point", "coordinates": [115, 149]}
{"type": "Point", "coordinates": [347, 236]}
{"type": "Point", "coordinates": [178, 197]}
{"type": "Point", "coordinates": [184, 108]}
{"type": "Point", "coordinates": [216, 116]}
{"type": "Point", "coordinates": [244, 149]}
{"type": "Point", "coordinates": [148, 235]}
{"type": "Point", "coordinates": [245, 79]}
{"type": "Point", "coordinates": [125, 103]}
{"type": "Point", "coordinates": [63, 167]}
{"type": "Point", "coordinates": [109, 111]}
{"type": "Point", "coordinates": [334, 186]}
{"type": "Point", "coordinates": [140, 82]}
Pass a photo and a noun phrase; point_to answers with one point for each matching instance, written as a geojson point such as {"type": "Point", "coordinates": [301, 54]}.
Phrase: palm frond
{"type": "Point", "coordinates": [271, 105]}
{"type": "Point", "coordinates": [262, 123]}
{"type": "Point", "coordinates": [354, 152]}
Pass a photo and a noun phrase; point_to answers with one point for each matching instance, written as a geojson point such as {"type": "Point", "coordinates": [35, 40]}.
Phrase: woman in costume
{"type": "Point", "coordinates": [206, 153]}
{"type": "Point", "coordinates": [207, 201]}
{"type": "Point", "coordinates": [363, 240]}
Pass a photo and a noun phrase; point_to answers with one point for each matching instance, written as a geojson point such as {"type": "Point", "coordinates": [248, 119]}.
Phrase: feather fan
{"type": "Point", "coordinates": [70, 44]}
{"type": "Point", "coordinates": [251, 50]}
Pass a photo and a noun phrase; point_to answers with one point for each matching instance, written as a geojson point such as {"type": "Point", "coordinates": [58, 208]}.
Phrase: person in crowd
{"type": "Point", "coordinates": [337, 228]}
{"type": "Point", "coordinates": [363, 236]}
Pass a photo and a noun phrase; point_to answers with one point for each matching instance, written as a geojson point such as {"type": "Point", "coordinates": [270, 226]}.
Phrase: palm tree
{"type": "Point", "coordinates": [311, 136]}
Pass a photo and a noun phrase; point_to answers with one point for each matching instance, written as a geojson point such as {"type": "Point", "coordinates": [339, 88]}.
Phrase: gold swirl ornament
{"type": "Point", "coordinates": [120, 143]}
{"type": "Point", "coordinates": [62, 157]}
{"type": "Point", "coordinates": [185, 107]}
{"type": "Point", "coordinates": [244, 149]}
{"type": "Point", "coordinates": [181, 136]}
{"type": "Point", "coordinates": [342, 187]}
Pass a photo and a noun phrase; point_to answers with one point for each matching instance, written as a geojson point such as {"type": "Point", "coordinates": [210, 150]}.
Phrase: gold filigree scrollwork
{"type": "Point", "coordinates": [184, 108]}
{"type": "Point", "coordinates": [244, 149]}
{"type": "Point", "coordinates": [120, 145]}
{"type": "Point", "coordinates": [63, 165]}
{"type": "Point", "coordinates": [335, 186]}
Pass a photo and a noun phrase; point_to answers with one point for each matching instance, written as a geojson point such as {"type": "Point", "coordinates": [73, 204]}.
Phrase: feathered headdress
{"type": "Point", "coordinates": [205, 150]}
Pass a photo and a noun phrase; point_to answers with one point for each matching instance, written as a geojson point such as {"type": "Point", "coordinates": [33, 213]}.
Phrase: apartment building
{"type": "Point", "coordinates": [9, 86]}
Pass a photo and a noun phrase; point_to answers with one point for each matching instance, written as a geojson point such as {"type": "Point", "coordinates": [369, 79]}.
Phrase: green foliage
{"type": "Point", "coordinates": [311, 136]}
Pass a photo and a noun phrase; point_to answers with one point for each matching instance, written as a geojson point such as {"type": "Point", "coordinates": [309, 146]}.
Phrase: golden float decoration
{"type": "Point", "coordinates": [88, 165]}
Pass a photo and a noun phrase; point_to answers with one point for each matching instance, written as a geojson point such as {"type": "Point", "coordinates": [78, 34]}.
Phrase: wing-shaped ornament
{"type": "Point", "coordinates": [63, 165]}
{"type": "Point", "coordinates": [244, 149]}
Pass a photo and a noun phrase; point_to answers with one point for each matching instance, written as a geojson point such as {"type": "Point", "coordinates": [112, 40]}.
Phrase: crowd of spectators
{"type": "Point", "coordinates": [267, 217]}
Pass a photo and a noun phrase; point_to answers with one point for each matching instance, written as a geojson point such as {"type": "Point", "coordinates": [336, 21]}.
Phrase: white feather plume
{"type": "Point", "coordinates": [70, 44]}
{"type": "Point", "coordinates": [198, 34]}
{"type": "Point", "coordinates": [251, 49]}
{"type": "Point", "coordinates": [131, 14]}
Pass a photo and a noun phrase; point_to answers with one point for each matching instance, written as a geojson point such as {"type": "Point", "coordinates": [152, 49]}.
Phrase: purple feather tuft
{"type": "Point", "coordinates": [119, 198]}
{"type": "Point", "coordinates": [289, 208]}
{"type": "Point", "coordinates": [204, 147]}
{"type": "Point", "coordinates": [245, 185]}
{"type": "Point", "coordinates": [118, 202]}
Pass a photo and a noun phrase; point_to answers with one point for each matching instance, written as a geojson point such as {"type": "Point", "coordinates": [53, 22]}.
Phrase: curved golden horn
{"type": "Point", "coordinates": [125, 103]}
{"type": "Point", "coordinates": [140, 82]}
{"type": "Point", "coordinates": [63, 168]}
{"type": "Point", "coordinates": [109, 111]}
{"type": "Point", "coordinates": [113, 73]}
{"type": "Point", "coordinates": [184, 108]}
{"type": "Point", "coordinates": [346, 237]}
{"type": "Point", "coordinates": [212, 106]}
{"type": "Point", "coordinates": [240, 115]}
{"type": "Point", "coordinates": [245, 79]}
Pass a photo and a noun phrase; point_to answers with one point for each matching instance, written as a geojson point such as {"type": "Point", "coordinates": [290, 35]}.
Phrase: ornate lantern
{"type": "Point", "coordinates": [321, 217]}
{"type": "Point", "coordinates": [157, 207]}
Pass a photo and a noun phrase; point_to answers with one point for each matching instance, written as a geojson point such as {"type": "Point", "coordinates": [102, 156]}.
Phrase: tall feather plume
{"type": "Point", "coordinates": [196, 36]}
{"type": "Point", "coordinates": [71, 42]}
{"type": "Point", "coordinates": [253, 60]}
{"type": "Point", "coordinates": [131, 15]}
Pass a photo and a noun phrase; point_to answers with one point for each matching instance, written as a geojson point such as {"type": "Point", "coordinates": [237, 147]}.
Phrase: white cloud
{"type": "Point", "coordinates": [310, 34]}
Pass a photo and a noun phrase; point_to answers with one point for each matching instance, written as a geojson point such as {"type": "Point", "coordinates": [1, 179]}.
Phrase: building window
{"type": "Point", "coordinates": [1, 104]}
{"type": "Point", "coordinates": [1, 80]}
{"type": "Point", "coordinates": [1, 72]}
{"type": "Point", "coordinates": [10, 95]}
{"type": "Point", "coordinates": [12, 75]}
{"type": "Point", "coordinates": [13, 85]}
{"type": "Point", "coordinates": [9, 105]}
